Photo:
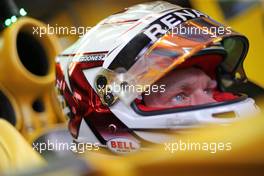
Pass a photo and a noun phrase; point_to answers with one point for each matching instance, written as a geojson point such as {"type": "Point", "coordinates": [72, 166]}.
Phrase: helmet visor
{"type": "Point", "coordinates": [171, 50]}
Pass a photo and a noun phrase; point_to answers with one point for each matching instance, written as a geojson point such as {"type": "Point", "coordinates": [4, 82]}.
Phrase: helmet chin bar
{"type": "Point", "coordinates": [185, 119]}
{"type": "Point", "coordinates": [194, 119]}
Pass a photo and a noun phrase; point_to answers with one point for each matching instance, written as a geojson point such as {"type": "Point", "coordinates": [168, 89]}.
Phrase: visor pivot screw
{"type": "Point", "coordinates": [109, 99]}
{"type": "Point", "coordinates": [101, 82]}
{"type": "Point", "coordinates": [112, 128]}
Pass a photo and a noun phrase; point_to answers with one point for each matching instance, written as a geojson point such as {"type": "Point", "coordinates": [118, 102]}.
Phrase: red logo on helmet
{"type": "Point", "coordinates": [122, 145]}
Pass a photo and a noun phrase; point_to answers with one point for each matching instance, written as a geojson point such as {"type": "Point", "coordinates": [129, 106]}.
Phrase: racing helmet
{"type": "Point", "coordinates": [104, 78]}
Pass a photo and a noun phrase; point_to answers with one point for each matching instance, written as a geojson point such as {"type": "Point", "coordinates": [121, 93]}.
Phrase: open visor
{"type": "Point", "coordinates": [155, 60]}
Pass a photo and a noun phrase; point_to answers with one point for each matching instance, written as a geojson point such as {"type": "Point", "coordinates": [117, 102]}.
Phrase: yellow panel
{"type": "Point", "coordinates": [27, 87]}
{"type": "Point", "coordinates": [210, 7]}
{"type": "Point", "coordinates": [15, 153]}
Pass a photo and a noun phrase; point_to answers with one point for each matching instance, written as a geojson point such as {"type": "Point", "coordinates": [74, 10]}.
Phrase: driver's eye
{"type": "Point", "coordinates": [180, 98]}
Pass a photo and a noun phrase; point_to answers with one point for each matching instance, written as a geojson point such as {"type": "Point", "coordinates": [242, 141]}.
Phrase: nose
{"type": "Point", "coordinates": [200, 97]}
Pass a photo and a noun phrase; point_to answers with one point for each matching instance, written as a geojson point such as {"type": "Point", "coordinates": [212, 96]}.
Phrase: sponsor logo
{"type": "Point", "coordinates": [89, 58]}
{"type": "Point", "coordinates": [122, 145]}
{"type": "Point", "coordinates": [85, 57]}
{"type": "Point", "coordinates": [163, 24]}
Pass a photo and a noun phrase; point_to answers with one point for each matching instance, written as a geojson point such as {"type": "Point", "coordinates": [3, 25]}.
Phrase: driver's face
{"type": "Point", "coordinates": [186, 87]}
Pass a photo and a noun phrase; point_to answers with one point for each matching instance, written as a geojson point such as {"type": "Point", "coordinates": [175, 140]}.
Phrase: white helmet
{"type": "Point", "coordinates": [137, 48]}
